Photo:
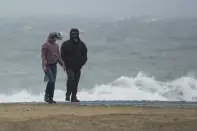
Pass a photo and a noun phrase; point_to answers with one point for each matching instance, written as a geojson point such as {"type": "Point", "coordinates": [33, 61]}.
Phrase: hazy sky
{"type": "Point", "coordinates": [99, 7]}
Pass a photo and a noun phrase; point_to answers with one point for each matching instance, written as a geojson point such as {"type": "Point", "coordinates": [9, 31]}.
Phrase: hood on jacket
{"type": "Point", "coordinates": [74, 32]}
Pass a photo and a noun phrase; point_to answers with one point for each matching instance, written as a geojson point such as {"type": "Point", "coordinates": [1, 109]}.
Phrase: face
{"type": "Point", "coordinates": [54, 40]}
{"type": "Point", "coordinates": [75, 37]}
{"type": "Point", "coordinates": [74, 34]}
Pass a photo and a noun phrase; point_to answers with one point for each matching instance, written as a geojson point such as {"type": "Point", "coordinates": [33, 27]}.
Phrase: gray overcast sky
{"type": "Point", "coordinates": [99, 7]}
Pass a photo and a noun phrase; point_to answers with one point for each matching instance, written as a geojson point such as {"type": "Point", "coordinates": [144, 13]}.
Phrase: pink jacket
{"type": "Point", "coordinates": [50, 54]}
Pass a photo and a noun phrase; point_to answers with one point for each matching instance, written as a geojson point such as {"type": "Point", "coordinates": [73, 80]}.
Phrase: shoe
{"type": "Point", "coordinates": [67, 98]}
{"type": "Point", "coordinates": [75, 100]}
{"type": "Point", "coordinates": [52, 101]}
{"type": "Point", "coordinates": [46, 98]}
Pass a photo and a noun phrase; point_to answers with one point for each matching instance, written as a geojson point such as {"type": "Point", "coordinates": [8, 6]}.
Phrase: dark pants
{"type": "Point", "coordinates": [51, 73]}
{"type": "Point", "coordinates": [72, 82]}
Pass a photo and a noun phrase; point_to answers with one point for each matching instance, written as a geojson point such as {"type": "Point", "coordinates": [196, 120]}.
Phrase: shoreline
{"type": "Point", "coordinates": [135, 103]}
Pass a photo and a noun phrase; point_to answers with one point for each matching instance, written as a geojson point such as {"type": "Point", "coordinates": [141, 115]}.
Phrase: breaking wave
{"type": "Point", "coordinates": [140, 87]}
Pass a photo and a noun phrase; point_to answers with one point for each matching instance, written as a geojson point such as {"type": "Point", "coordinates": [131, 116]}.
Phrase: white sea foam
{"type": "Point", "coordinates": [140, 87]}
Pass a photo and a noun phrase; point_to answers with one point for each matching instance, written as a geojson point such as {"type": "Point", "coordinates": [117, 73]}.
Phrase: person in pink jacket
{"type": "Point", "coordinates": [50, 55]}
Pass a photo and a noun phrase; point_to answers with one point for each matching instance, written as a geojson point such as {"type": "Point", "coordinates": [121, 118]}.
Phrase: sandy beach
{"type": "Point", "coordinates": [58, 117]}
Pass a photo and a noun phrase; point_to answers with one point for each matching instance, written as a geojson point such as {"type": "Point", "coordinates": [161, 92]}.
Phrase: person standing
{"type": "Point", "coordinates": [74, 55]}
{"type": "Point", "coordinates": [50, 55]}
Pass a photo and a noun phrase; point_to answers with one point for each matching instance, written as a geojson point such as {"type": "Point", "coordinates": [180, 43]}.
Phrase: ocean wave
{"type": "Point", "coordinates": [141, 87]}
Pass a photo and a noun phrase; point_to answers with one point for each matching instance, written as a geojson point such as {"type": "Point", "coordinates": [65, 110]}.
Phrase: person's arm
{"type": "Point", "coordinates": [85, 50]}
{"type": "Point", "coordinates": [44, 56]}
{"type": "Point", "coordinates": [64, 53]}
{"type": "Point", "coordinates": [60, 61]}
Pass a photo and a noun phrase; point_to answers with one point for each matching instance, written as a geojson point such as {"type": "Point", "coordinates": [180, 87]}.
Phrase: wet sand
{"type": "Point", "coordinates": [61, 117]}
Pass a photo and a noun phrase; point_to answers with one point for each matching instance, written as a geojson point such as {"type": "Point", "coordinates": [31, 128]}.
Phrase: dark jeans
{"type": "Point", "coordinates": [51, 73]}
{"type": "Point", "coordinates": [72, 82]}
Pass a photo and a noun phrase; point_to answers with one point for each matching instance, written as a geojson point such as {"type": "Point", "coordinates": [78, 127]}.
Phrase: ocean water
{"type": "Point", "coordinates": [128, 58]}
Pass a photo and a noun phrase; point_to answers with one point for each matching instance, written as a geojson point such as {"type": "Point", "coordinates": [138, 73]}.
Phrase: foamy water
{"type": "Point", "coordinates": [140, 87]}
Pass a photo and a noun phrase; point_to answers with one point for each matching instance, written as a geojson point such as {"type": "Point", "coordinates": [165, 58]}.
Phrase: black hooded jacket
{"type": "Point", "coordinates": [73, 54]}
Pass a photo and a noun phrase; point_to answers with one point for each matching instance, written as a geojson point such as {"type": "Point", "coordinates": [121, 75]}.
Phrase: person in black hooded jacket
{"type": "Point", "coordinates": [74, 55]}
